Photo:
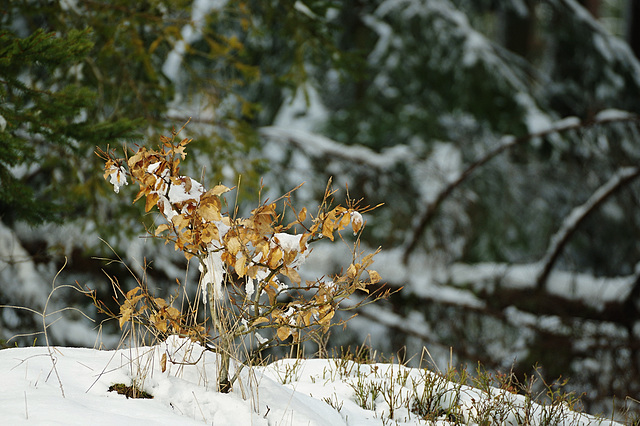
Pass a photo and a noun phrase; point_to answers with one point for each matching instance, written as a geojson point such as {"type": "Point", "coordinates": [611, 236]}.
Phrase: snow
{"type": "Point", "coordinates": [443, 166]}
{"type": "Point", "coordinates": [573, 219]}
{"type": "Point", "coordinates": [69, 5]}
{"type": "Point", "coordinates": [384, 32]}
{"type": "Point", "coordinates": [304, 9]}
{"type": "Point", "coordinates": [613, 114]}
{"type": "Point", "coordinates": [189, 33]}
{"type": "Point", "coordinates": [291, 243]}
{"type": "Point", "coordinates": [214, 274]}
{"type": "Point", "coordinates": [316, 145]}
{"type": "Point", "coordinates": [287, 242]}
{"type": "Point", "coordinates": [33, 294]}
{"type": "Point", "coordinates": [593, 291]}
{"type": "Point", "coordinates": [356, 220]}
{"type": "Point", "coordinates": [537, 121]}
{"type": "Point", "coordinates": [304, 110]}
{"type": "Point", "coordinates": [153, 167]}
{"type": "Point", "coordinates": [117, 177]}
{"type": "Point", "coordinates": [16, 265]}
{"type": "Point", "coordinates": [61, 385]}
{"type": "Point", "coordinates": [474, 45]}
{"type": "Point", "coordinates": [179, 193]}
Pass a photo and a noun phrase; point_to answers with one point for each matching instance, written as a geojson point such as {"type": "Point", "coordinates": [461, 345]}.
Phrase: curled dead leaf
{"type": "Point", "coordinates": [284, 332]}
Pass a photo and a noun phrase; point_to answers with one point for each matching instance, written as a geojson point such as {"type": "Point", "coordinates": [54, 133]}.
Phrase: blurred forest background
{"type": "Point", "coordinates": [501, 136]}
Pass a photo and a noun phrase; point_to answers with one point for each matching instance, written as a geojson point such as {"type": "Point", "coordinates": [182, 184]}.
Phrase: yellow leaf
{"type": "Point", "coordinates": [260, 320]}
{"type": "Point", "coordinates": [367, 260]}
{"type": "Point", "coordinates": [107, 168]}
{"type": "Point", "coordinates": [271, 292]}
{"type": "Point", "coordinates": [163, 227]}
{"type": "Point", "coordinates": [293, 275]}
{"type": "Point", "coordinates": [133, 160]}
{"type": "Point", "coordinates": [132, 292]}
{"type": "Point", "coordinates": [173, 313]}
{"type": "Point", "coordinates": [179, 221]}
{"type": "Point", "coordinates": [275, 256]}
{"type": "Point", "coordinates": [352, 271]}
{"type": "Point", "coordinates": [289, 257]}
{"type": "Point", "coordinates": [180, 151]}
{"type": "Point", "coordinates": [263, 248]}
{"type": "Point", "coordinates": [326, 313]}
{"type": "Point", "coordinates": [209, 209]}
{"type": "Point", "coordinates": [284, 333]}
{"type": "Point", "coordinates": [163, 362]}
{"type": "Point", "coordinates": [252, 271]}
{"type": "Point", "coordinates": [124, 318]}
{"type": "Point", "coordinates": [307, 316]}
{"type": "Point", "coordinates": [153, 47]}
{"type": "Point", "coordinates": [160, 302]}
{"type": "Point", "coordinates": [327, 229]}
{"type": "Point", "coordinates": [161, 326]}
{"type": "Point", "coordinates": [139, 195]}
{"type": "Point", "coordinates": [344, 221]}
{"type": "Point", "coordinates": [217, 190]}
{"type": "Point", "coordinates": [209, 233]}
{"type": "Point", "coordinates": [233, 245]}
{"type": "Point", "coordinates": [303, 241]}
{"type": "Point", "coordinates": [151, 202]}
{"type": "Point", "coordinates": [374, 277]}
{"type": "Point", "coordinates": [302, 215]}
{"type": "Point", "coordinates": [234, 43]}
{"type": "Point", "coordinates": [356, 221]}
{"type": "Point", "coordinates": [241, 265]}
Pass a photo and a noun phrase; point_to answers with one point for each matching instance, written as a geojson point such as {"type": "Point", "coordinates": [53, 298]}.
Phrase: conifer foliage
{"type": "Point", "coordinates": [37, 118]}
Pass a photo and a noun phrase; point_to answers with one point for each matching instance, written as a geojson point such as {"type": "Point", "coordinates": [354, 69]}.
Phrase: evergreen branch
{"type": "Point", "coordinates": [508, 142]}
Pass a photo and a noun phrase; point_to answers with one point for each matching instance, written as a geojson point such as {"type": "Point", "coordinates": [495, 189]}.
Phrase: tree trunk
{"type": "Point", "coordinates": [593, 6]}
{"type": "Point", "coordinates": [517, 29]}
{"type": "Point", "coordinates": [224, 341]}
{"type": "Point", "coordinates": [633, 26]}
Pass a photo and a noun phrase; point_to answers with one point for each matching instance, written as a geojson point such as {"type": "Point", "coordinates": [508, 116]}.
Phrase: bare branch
{"type": "Point", "coordinates": [621, 178]}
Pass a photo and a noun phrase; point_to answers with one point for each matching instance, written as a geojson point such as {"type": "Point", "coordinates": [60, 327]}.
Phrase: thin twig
{"type": "Point", "coordinates": [44, 326]}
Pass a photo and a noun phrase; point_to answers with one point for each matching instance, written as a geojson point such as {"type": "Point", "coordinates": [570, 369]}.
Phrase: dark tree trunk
{"type": "Point", "coordinates": [633, 27]}
{"type": "Point", "coordinates": [592, 6]}
{"type": "Point", "coordinates": [518, 30]}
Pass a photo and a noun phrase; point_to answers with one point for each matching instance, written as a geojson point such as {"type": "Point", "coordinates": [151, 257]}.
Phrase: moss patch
{"type": "Point", "coordinates": [129, 391]}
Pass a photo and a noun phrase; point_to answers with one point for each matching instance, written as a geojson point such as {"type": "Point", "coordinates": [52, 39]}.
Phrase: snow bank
{"type": "Point", "coordinates": [300, 392]}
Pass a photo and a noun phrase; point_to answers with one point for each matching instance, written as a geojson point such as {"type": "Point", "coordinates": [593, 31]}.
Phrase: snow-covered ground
{"type": "Point", "coordinates": [70, 386]}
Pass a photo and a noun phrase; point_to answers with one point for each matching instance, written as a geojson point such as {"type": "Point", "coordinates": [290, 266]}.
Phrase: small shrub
{"type": "Point", "coordinates": [245, 263]}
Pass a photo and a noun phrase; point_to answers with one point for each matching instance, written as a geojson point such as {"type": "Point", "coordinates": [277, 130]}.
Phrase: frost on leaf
{"type": "Point", "coordinates": [117, 175]}
{"type": "Point", "coordinates": [356, 221]}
